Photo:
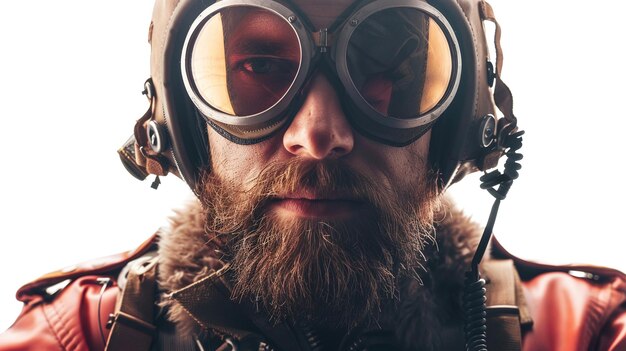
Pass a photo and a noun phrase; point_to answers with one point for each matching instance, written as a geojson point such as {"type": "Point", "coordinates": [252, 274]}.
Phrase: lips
{"type": "Point", "coordinates": [308, 205]}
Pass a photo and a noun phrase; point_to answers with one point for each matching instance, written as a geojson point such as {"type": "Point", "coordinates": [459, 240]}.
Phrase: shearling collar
{"type": "Point", "coordinates": [189, 268]}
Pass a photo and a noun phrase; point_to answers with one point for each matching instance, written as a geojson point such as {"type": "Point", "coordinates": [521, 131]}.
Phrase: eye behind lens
{"type": "Point", "coordinates": [399, 62]}
{"type": "Point", "coordinates": [244, 60]}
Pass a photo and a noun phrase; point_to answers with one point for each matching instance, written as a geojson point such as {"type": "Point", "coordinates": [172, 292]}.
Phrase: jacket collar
{"type": "Point", "coordinates": [208, 303]}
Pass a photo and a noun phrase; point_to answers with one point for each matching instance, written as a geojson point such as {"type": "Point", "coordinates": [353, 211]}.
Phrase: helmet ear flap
{"type": "Point", "coordinates": [188, 149]}
{"type": "Point", "coordinates": [466, 138]}
{"type": "Point", "coordinates": [146, 151]}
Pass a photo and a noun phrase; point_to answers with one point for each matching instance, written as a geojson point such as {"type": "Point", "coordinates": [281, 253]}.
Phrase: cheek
{"type": "Point", "coordinates": [415, 156]}
{"type": "Point", "coordinates": [231, 161]}
{"type": "Point", "coordinates": [418, 151]}
{"type": "Point", "coordinates": [398, 167]}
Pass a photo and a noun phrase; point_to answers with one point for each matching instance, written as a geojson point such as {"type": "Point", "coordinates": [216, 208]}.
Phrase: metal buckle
{"type": "Point", "coordinates": [131, 322]}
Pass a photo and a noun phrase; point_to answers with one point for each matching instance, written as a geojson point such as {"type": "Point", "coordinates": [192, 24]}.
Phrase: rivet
{"type": "Point", "coordinates": [354, 22]}
{"type": "Point", "coordinates": [291, 19]}
{"type": "Point", "coordinates": [488, 132]}
{"type": "Point", "coordinates": [110, 321]}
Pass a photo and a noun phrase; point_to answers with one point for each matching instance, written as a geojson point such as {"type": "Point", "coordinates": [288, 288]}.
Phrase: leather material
{"type": "Point", "coordinates": [72, 317]}
{"type": "Point", "coordinates": [573, 307]}
{"type": "Point", "coordinates": [573, 314]}
{"type": "Point", "coordinates": [31, 331]}
{"type": "Point", "coordinates": [504, 306]}
{"type": "Point", "coordinates": [613, 336]}
{"type": "Point", "coordinates": [70, 322]}
{"type": "Point", "coordinates": [133, 321]}
{"type": "Point", "coordinates": [569, 314]}
{"type": "Point", "coordinates": [562, 312]}
{"type": "Point", "coordinates": [166, 36]}
{"type": "Point", "coordinates": [217, 312]}
{"type": "Point", "coordinates": [104, 265]}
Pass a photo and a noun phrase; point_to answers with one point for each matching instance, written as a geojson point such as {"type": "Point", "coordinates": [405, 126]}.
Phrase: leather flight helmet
{"type": "Point", "coordinates": [171, 137]}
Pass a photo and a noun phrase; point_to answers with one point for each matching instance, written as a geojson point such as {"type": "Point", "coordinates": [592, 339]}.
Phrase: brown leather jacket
{"type": "Point", "coordinates": [572, 308]}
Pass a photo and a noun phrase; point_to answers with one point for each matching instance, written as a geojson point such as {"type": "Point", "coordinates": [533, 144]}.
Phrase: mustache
{"type": "Point", "coordinates": [327, 179]}
{"type": "Point", "coordinates": [230, 200]}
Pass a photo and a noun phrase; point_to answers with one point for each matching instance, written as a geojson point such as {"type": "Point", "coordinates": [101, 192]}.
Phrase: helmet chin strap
{"type": "Point", "coordinates": [510, 142]}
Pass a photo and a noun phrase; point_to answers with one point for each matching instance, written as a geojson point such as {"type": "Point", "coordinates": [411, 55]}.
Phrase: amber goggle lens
{"type": "Point", "coordinates": [244, 59]}
{"type": "Point", "coordinates": [401, 63]}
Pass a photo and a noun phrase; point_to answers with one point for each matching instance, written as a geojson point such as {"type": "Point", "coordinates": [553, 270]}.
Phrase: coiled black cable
{"type": "Point", "coordinates": [474, 294]}
{"type": "Point", "coordinates": [475, 321]}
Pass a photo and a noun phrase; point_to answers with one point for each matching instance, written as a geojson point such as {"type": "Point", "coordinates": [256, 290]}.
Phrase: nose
{"type": "Point", "coordinates": [320, 129]}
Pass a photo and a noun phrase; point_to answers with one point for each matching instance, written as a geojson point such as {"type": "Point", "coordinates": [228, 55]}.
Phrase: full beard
{"type": "Point", "coordinates": [340, 272]}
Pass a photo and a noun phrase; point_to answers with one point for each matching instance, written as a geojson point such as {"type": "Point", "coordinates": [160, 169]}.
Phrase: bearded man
{"type": "Point", "coordinates": [319, 138]}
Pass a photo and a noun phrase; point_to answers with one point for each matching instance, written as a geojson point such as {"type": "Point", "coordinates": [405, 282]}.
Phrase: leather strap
{"type": "Point", "coordinates": [208, 302]}
{"type": "Point", "coordinates": [504, 303]}
{"type": "Point", "coordinates": [502, 94]}
{"type": "Point", "coordinates": [133, 327]}
{"type": "Point", "coordinates": [153, 162]}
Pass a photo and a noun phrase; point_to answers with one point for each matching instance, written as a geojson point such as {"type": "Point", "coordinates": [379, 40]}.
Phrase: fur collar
{"type": "Point", "coordinates": [187, 255]}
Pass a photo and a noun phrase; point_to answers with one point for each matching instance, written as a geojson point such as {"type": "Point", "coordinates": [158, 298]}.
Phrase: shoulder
{"type": "Point", "coordinates": [50, 284]}
{"type": "Point", "coordinates": [572, 306]}
{"type": "Point", "coordinates": [576, 307]}
{"type": "Point", "coordinates": [69, 308]}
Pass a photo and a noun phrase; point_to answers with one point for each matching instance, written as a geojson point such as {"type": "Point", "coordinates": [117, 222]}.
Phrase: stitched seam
{"type": "Point", "coordinates": [62, 330]}
{"type": "Point", "coordinates": [216, 329]}
{"type": "Point", "coordinates": [469, 21]}
{"type": "Point", "coordinates": [594, 318]}
{"type": "Point", "coordinates": [608, 305]}
{"type": "Point", "coordinates": [201, 324]}
{"type": "Point", "coordinates": [167, 28]}
{"type": "Point", "coordinates": [71, 336]}
{"type": "Point", "coordinates": [52, 329]}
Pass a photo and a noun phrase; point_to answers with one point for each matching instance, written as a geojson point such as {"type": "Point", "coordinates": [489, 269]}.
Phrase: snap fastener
{"type": "Point", "coordinates": [487, 130]}
{"type": "Point", "coordinates": [148, 89]}
{"type": "Point", "coordinates": [157, 136]}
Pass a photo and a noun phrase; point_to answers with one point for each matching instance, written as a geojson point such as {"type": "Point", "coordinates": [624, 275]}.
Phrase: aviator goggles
{"type": "Point", "coordinates": [395, 64]}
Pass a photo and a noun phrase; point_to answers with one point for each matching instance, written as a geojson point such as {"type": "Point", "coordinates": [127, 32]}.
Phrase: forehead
{"type": "Point", "coordinates": [322, 13]}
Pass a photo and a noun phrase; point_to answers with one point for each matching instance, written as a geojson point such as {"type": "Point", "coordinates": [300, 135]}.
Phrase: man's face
{"type": "Point", "coordinates": [320, 131]}
{"type": "Point", "coordinates": [327, 215]}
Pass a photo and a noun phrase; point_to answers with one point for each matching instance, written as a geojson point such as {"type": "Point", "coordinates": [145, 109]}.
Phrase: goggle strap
{"type": "Point", "coordinates": [487, 14]}
{"type": "Point", "coordinates": [502, 94]}
{"type": "Point", "coordinates": [139, 138]}
{"type": "Point", "coordinates": [139, 129]}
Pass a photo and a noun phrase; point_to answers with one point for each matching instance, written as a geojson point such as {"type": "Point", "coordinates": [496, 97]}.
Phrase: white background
{"type": "Point", "coordinates": [71, 73]}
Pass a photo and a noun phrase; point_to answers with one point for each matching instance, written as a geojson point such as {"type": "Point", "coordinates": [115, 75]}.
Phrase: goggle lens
{"type": "Point", "coordinates": [245, 65]}
{"type": "Point", "coordinates": [244, 60]}
{"type": "Point", "coordinates": [400, 61]}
